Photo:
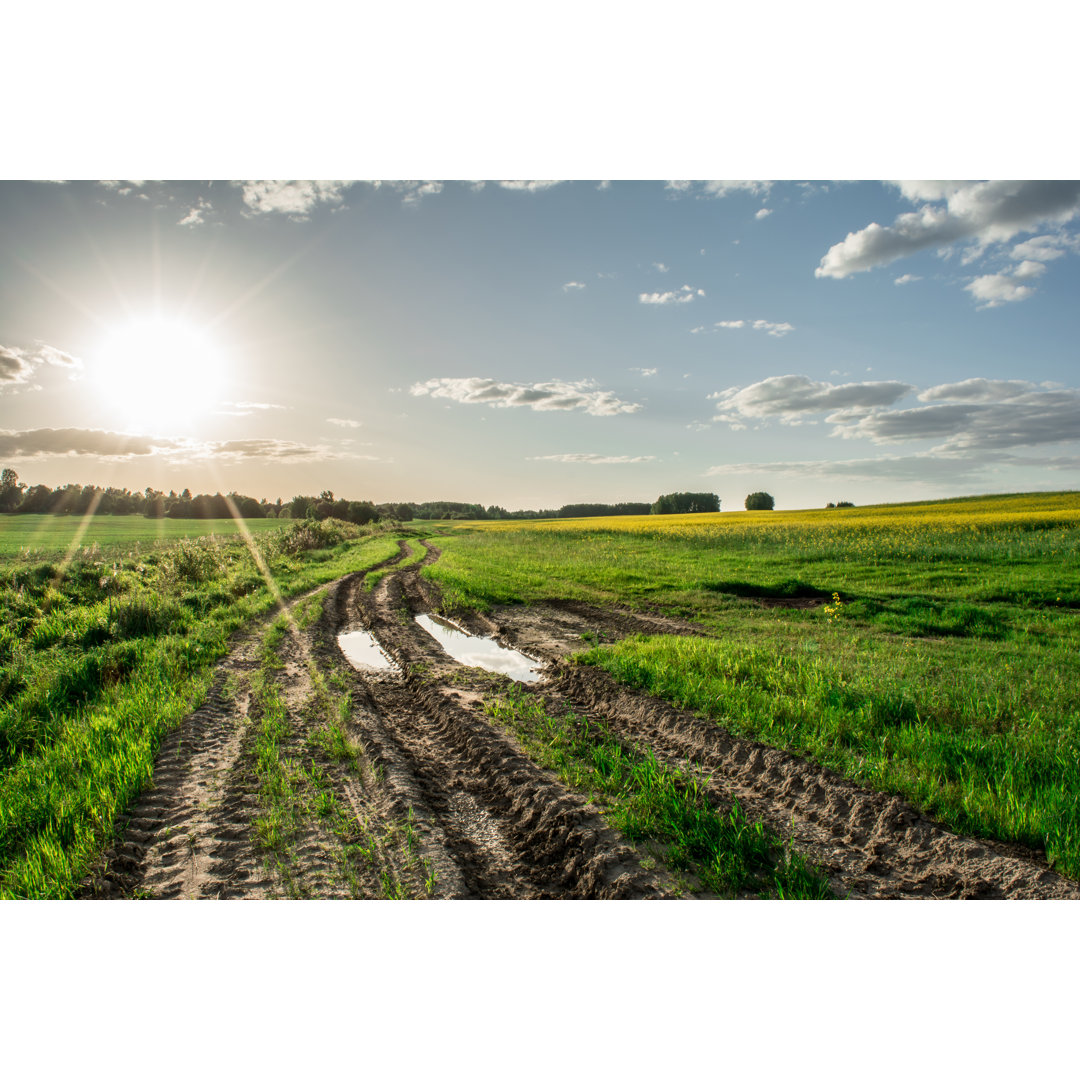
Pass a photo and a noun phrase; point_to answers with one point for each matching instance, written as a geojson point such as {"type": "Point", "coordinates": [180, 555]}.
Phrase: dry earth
{"type": "Point", "coordinates": [440, 801]}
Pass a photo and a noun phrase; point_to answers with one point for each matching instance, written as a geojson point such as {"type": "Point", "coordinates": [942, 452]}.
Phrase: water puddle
{"type": "Point", "coordinates": [364, 652]}
{"type": "Point", "coordinates": [481, 652]}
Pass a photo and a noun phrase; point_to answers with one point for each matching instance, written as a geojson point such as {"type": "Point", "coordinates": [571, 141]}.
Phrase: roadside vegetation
{"type": "Point", "coordinates": [103, 653]}
{"type": "Point", "coordinates": [927, 650]}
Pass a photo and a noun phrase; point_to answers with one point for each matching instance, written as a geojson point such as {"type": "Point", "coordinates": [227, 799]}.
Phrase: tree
{"type": "Point", "coordinates": [10, 490]}
{"type": "Point", "coordinates": [759, 500]}
{"type": "Point", "coordinates": [687, 502]}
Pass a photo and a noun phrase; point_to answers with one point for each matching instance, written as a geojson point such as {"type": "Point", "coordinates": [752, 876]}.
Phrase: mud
{"type": "Point", "coordinates": [442, 802]}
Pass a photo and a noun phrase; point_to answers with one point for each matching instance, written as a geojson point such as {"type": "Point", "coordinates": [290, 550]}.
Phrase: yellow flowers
{"type": "Point", "coordinates": [832, 611]}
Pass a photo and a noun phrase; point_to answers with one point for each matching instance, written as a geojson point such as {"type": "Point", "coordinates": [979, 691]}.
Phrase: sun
{"type": "Point", "coordinates": [159, 374]}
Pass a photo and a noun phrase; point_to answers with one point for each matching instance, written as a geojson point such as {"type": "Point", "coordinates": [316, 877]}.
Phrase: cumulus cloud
{"type": "Point", "coordinates": [573, 286]}
{"type": "Point", "coordinates": [987, 212]}
{"type": "Point", "coordinates": [197, 214]}
{"type": "Point", "coordinates": [296, 198]}
{"type": "Point", "coordinates": [977, 414]}
{"type": "Point", "coordinates": [340, 422]}
{"type": "Point", "coordinates": [645, 372]}
{"type": "Point", "coordinates": [64, 442]}
{"type": "Point", "coordinates": [764, 212]}
{"type": "Point", "coordinates": [790, 398]}
{"type": "Point", "coordinates": [541, 396]}
{"type": "Point", "coordinates": [592, 459]}
{"type": "Point", "coordinates": [528, 185]}
{"type": "Point", "coordinates": [972, 415]}
{"type": "Point", "coordinates": [907, 279]}
{"type": "Point", "coordinates": [993, 290]}
{"type": "Point", "coordinates": [17, 366]}
{"type": "Point", "coordinates": [661, 267]}
{"type": "Point", "coordinates": [1044, 248]}
{"type": "Point", "coordinates": [683, 295]}
{"type": "Point", "coordinates": [773, 329]}
{"type": "Point", "coordinates": [717, 189]}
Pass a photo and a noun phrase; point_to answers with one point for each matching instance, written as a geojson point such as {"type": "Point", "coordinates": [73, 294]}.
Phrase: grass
{"type": "Point", "coordinates": [101, 657]}
{"type": "Point", "coordinates": [297, 768]}
{"type": "Point", "coordinates": [39, 535]}
{"type": "Point", "coordinates": [652, 803]}
{"type": "Point", "coordinates": [934, 655]}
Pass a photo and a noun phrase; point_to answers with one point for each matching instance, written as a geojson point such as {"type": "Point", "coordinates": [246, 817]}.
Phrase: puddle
{"type": "Point", "coordinates": [481, 652]}
{"type": "Point", "coordinates": [364, 652]}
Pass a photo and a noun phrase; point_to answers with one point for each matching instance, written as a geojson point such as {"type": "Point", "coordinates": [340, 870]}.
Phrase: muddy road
{"type": "Point", "coordinates": [304, 776]}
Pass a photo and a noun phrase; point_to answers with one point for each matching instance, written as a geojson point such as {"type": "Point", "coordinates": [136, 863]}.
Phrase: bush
{"type": "Point", "coordinates": [759, 500]}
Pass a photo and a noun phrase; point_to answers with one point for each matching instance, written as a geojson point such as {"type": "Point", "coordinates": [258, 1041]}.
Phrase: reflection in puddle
{"type": "Point", "coordinates": [364, 652]}
{"type": "Point", "coordinates": [479, 651]}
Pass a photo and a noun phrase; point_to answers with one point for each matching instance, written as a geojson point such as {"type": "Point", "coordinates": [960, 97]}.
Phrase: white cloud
{"type": "Point", "coordinates": [591, 459]}
{"type": "Point", "coordinates": [907, 279]}
{"type": "Point", "coordinates": [67, 442]}
{"type": "Point", "coordinates": [1043, 248]}
{"type": "Point", "coordinates": [339, 422]}
{"type": "Point", "coordinates": [541, 397]}
{"type": "Point", "coordinates": [717, 189]}
{"type": "Point", "coordinates": [773, 329]}
{"type": "Point", "coordinates": [762, 213]}
{"type": "Point", "coordinates": [573, 286]}
{"type": "Point", "coordinates": [987, 212]}
{"type": "Point", "coordinates": [993, 290]}
{"type": "Point", "coordinates": [791, 397]}
{"type": "Point", "coordinates": [197, 214]}
{"type": "Point", "coordinates": [661, 267]}
{"type": "Point", "coordinates": [683, 295]}
{"type": "Point", "coordinates": [17, 366]}
{"type": "Point", "coordinates": [645, 372]}
{"type": "Point", "coordinates": [415, 190]}
{"type": "Point", "coordinates": [297, 198]}
{"type": "Point", "coordinates": [976, 414]}
{"type": "Point", "coordinates": [529, 185]}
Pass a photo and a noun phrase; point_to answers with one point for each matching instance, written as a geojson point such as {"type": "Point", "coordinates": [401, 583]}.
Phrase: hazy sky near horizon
{"type": "Point", "coordinates": [536, 343]}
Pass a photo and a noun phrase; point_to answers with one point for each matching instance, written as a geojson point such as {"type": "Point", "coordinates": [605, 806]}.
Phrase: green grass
{"type": "Point", "coordinates": [946, 673]}
{"type": "Point", "coordinates": [652, 803]}
{"type": "Point", "coordinates": [40, 535]}
{"type": "Point", "coordinates": [99, 659]}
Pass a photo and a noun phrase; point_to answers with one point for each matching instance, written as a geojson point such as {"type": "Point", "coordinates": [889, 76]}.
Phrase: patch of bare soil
{"type": "Point", "coordinates": [439, 801]}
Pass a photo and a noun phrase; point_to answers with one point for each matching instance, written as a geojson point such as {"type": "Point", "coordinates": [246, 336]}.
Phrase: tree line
{"type": "Point", "coordinates": [19, 498]}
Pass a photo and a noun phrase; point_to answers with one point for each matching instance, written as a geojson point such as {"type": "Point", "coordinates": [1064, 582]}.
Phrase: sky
{"type": "Point", "coordinates": [534, 343]}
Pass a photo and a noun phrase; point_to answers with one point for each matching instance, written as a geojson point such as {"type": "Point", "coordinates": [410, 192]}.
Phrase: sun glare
{"type": "Point", "coordinates": [160, 374]}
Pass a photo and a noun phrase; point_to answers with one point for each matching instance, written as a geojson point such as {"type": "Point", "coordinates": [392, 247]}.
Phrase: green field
{"type": "Point", "coordinates": [927, 650]}
{"type": "Point", "coordinates": [101, 655]}
{"type": "Point", "coordinates": [37, 535]}
{"type": "Point", "coordinates": [940, 663]}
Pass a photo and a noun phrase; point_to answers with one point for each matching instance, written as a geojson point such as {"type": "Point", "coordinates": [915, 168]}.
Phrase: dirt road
{"type": "Point", "coordinates": [396, 783]}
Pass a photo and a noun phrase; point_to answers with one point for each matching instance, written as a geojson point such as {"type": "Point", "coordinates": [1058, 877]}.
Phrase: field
{"type": "Point", "coordinates": [46, 534]}
{"type": "Point", "coordinates": [859, 702]}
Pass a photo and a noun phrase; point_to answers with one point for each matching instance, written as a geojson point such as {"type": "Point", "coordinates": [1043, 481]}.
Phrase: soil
{"type": "Point", "coordinates": [446, 803]}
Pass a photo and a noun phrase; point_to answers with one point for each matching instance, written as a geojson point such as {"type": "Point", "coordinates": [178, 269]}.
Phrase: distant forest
{"type": "Point", "coordinates": [18, 498]}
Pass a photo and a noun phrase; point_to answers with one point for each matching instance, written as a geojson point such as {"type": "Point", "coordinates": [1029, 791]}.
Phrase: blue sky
{"type": "Point", "coordinates": [534, 343]}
